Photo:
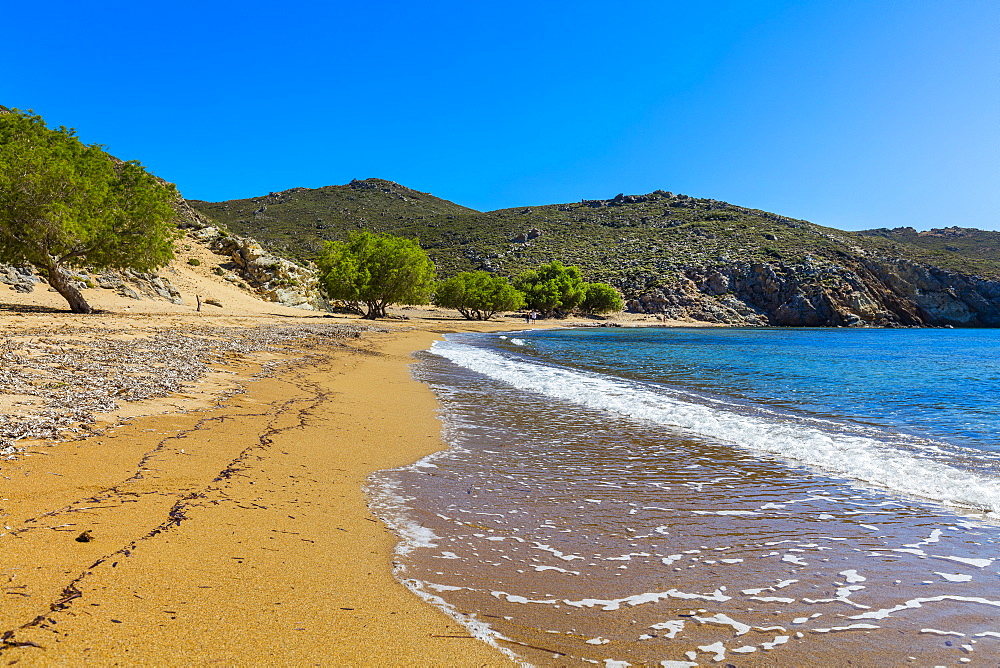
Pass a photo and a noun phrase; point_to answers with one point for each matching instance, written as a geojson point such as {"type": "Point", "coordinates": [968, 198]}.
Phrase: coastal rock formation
{"type": "Point", "coordinates": [862, 292]}
{"type": "Point", "coordinates": [271, 277]}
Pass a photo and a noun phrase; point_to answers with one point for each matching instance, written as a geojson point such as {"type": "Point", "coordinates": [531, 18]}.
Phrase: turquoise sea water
{"type": "Point", "coordinates": [938, 383]}
{"type": "Point", "coordinates": [684, 497]}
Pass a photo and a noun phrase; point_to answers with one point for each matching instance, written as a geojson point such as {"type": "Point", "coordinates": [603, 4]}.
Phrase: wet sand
{"type": "Point", "coordinates": [579, 537]}
{"type": "Point", "coordinates": [233, 531]}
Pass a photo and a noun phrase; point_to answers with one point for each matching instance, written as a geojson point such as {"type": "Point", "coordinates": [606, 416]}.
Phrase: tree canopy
{"type": "Point", "coordinates": [478, 295]}
{"type": "Point", "coordinates": [64, 203]}
{"type": "Point", "coordinates": [601, 298]}
{"type": "Point", "coordinates": [376, 270]}
{"type": "Point", "coordinates": [552, 288]}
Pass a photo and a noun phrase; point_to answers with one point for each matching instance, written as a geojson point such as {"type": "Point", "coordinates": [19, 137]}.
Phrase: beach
{"type": "Point", "coordinates": [684, 497]}
{"type": "Point", "coordinates": [186, 486]}
{"type": "Point", "coordinates": [224, 522]}
{"type": "Point", "coordinates": [254, 484]}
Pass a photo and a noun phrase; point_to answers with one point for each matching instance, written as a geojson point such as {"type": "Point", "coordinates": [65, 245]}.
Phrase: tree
{"type": "Point", "coordinates": [601, 298]}
{"type": "Point", "coordinates": [552, 287]}
{"type": "Point", "coordinates": [478, 295]}
{"type": "Point", "coordinates": [66, 204]}
{"type": "Point", "coordinates": [376, 270]}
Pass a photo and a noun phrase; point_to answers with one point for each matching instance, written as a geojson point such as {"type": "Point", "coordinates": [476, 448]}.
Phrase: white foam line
{"type": "Point", "coordinates": [845, 628]}
{"type": "Point", "coordinates": [673, 627]}
{"type": "Point", "coordinates": [476, 628]}
{"type": "Point", "coordinates": [978, 563]}
{"type": "Point", "coordinates": [717, 648]}
{"type": "Point", "coordinates": [390, 507]}
{"type": "Point", "coordinates": [555, 568]}
{"type": "Point", "coordinates": [943, 633]}
{"type": "Point", "coordinates": [856, 457]}
{"type": "Point", "coordinates": [918, 602]}
{"type": "Point", "coordinates": [639, 599]}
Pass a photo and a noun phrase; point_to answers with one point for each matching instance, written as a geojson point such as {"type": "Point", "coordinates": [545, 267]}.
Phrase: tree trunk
{"type": "Point", "coordinates": [63, 284]}
{"type": "Point", "coordinates": [375, 310]}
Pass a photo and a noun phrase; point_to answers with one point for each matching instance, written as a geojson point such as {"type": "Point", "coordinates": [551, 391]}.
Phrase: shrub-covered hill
{"type": "Point", "coordinates": [669, 253]}
{"type": "Point", "coordinates": [948, 242]}
{"type": "Point", "coordinates": [295, 222]}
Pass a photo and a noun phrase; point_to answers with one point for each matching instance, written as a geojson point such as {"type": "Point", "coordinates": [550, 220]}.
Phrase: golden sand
{"type": "Point", "coordinates": [223, 528]}
{"type": "Point", "coordinates": [236, 532]}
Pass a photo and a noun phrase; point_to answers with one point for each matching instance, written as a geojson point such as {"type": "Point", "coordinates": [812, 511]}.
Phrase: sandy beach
{"type": "Point", "coordinates": [224, 522]}
{"type": "Point", "coordinates": [236, 533]}
{"type": "Point", "coordinates": [186, 487]}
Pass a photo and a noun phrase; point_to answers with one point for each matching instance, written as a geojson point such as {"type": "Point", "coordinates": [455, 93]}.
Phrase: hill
{"type": "Point", "coordinates": [946, 244]}
{"type": "Point", "coordinates": [295, 222]}
{"type": "Point", "coordinates": [669, 253]}
{"type": "Point", "coordinates": [614, 238]}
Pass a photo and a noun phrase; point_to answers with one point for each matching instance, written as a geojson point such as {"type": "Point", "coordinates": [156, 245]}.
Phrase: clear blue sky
{"type": "Point", "coordinates": [849, 113]}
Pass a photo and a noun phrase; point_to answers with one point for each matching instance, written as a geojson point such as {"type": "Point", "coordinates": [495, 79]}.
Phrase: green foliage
{"type": "Point", "coordinates": [376, 270]}
{"type": "Point", "coordinates": [67, 204]}
{"type": "Point", "coordinates": [194, 262]}
{"type": "Point", "coordinates": [601, 298]}
{"type": "Point", "coordinates": [219, 271]}
{"type": "Point", "coordinates": [552, 288]}
{"type": "Point", "coordinates": [478, 295]}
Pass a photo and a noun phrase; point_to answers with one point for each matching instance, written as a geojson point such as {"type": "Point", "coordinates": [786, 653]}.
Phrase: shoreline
{"type": "Point", "coordinates": [640, 544]}
{"type": "Point", "coordinates": [204, 523]}
{"type": "Point", "coordinates": [229, 522]}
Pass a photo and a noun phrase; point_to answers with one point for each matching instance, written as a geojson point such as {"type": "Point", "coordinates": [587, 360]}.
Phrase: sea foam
{"type": "Point", "coordinates": [858, 457]}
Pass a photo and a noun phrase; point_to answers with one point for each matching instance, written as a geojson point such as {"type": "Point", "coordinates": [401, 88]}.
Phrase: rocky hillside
{"type": "Point", "coordinates": [948, 242]}
{"type": "Point", "coordinates": [669, 253]}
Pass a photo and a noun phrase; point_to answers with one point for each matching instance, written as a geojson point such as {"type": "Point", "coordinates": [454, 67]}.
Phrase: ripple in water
{"type": "Point", "coordinates": [567, 533]}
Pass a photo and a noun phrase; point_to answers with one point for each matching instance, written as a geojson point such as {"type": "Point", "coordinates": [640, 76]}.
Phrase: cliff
{"type": "Point", "coordinates": [881, 293]}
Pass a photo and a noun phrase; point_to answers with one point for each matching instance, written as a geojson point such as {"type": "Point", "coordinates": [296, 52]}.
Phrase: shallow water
{"type": "Point", "coordinates": [589, 515]}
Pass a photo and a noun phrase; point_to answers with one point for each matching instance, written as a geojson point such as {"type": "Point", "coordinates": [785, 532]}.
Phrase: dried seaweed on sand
{"type": "Point", "coordinates": [54, 381]}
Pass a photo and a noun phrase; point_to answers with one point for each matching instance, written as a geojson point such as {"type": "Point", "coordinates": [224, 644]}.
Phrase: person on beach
{"type": "Point", "coordinates": [534, 316]}
{"type": "Point", "coordinates": [527, 317]}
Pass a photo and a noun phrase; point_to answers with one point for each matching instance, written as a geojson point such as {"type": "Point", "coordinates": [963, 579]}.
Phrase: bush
{"type": "Point", "coordinates": [601, 298]}
{"type": "Point", "coordinates": [552, 287]}
{"type": "Point", "coordinates": [478, 295]}
{"type": "Point", "coordinates": [194, 262]}
{"type": "Point", "coordinates": [376, 270]}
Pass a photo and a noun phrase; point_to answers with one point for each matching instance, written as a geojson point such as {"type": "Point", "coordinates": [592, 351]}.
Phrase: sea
{"type": "Point", "coordinates": [711, 496]}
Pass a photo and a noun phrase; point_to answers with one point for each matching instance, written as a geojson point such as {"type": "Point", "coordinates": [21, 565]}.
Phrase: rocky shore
{"type": "Point", "coordinates": [863, 292]}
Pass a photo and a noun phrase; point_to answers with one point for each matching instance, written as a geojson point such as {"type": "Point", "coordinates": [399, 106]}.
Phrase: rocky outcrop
{"type": "Point", "coordinates": [127, 283]}
{"type": "Point", "coordinates": [273, 278]}
{"type": "Point", "coordinates": [21, 279]}
{"type": "Point", "coordinates": [523, 237]}
{"type": "Point", "coordinates": [859, 292]}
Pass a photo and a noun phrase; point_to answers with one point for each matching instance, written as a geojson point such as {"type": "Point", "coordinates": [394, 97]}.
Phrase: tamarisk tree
{"type": "Point", "coordinates": [601, 298]}
{"type": "Point", "coordinates": [552, 288]}
{"type": "Point", "coordinates": [478, 295]}
{"type": "Point", "coordinates": [376, 270]}
{"type": "Point", "coordinates": [67, 204]}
